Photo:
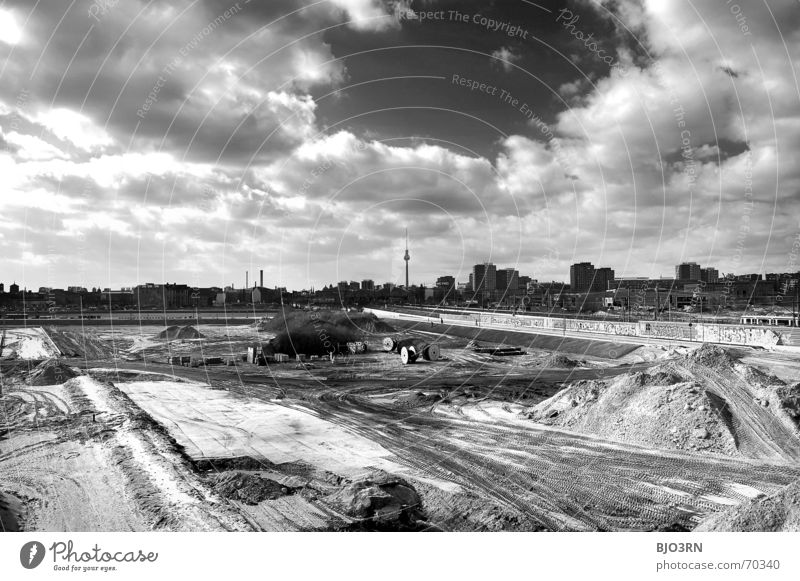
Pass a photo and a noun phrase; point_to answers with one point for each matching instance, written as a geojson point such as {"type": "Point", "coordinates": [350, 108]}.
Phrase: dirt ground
{"type": "Point", "coordinates": [466, 443]}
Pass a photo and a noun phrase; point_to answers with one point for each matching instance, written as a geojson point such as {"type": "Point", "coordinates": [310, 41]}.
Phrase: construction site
{"type": "Point", "coordinates": [347, 420]}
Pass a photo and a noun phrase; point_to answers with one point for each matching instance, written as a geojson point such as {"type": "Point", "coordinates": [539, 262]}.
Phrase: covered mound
{"type": "Point", "coordinates": [321, 332]}
{"type": "Point", "coordinates": [290, 319]}
{"type": "Point", "coordinates": [779, 512]}
{"type": "Point", "coordinates": [657, 409]}
{"type": "Point", "coordinates": [176, 332]}
{"type": "Point", "coordinates": [51, 372]}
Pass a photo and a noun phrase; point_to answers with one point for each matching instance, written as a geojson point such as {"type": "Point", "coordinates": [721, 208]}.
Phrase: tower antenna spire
{"type": "Point", "coordinates": [407, 257]}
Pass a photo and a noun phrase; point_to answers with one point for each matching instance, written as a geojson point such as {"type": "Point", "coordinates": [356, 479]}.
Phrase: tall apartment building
{"type": "Point", "coordinates": [709, 274]}
{"type": "Point", "coordinates": [484, 277]}
{"type": "Point", "coordinates": [507, 279]}
{"type": "Point", "coordinates": [584, 278]}
{"type": "Point", "coordinates": [581, 276]}
{"type": "Point", "coordinates": [688, 271]}
{"type": "Point", "coordinates": [603, 277]}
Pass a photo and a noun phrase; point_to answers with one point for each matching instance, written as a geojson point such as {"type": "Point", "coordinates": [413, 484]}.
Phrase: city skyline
{"type": "Point", "coordinates": [701, 276]}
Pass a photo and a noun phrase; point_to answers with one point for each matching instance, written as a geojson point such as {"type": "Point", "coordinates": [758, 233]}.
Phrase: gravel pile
{"type": "Point", "coordinates": [658, 409]}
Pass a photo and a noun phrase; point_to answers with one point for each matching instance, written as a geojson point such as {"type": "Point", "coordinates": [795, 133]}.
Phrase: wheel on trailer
{"type": "Point", "coordinates": [389, 344]}
{"type": "Point", "coordinates": [408, 355]}
{"type": "Point", "coordinates": [431, 353]}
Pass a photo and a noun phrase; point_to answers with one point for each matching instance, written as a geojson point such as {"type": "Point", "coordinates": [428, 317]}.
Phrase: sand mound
{"type": "Point", "coordinates": [51, 372]}
{"type": "Point", "coordinates": [656, 409]}
{"type": "Point", "coordinates": [779, 512]}
{"type": "Point", "coordinates": [175, 332]}
{"type": "Point", "coordinates": [248, 488]}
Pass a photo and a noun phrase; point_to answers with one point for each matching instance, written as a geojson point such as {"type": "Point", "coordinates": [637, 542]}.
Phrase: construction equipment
{"type": "Point", "coordinates": [356, 347]}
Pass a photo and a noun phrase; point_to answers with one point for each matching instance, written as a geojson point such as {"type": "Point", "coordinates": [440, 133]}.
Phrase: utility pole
{"type": "Point", "coordinates": [658, 304]}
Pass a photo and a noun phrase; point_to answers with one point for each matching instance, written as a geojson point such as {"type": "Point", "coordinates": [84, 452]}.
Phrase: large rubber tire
{"type": "Point", "coordinates": [408, 355]}
{"type": "Point", "coordinates": [389, 344]}
{"type": "Point", "coordinates": [431, 353]}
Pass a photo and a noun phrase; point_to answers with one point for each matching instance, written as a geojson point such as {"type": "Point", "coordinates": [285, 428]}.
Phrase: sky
{"type": "Point", "coordinates": [192, 141]}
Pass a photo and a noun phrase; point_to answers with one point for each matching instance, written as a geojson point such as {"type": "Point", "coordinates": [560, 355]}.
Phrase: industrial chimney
{"type": "Point", "coordinates": [262, 278]}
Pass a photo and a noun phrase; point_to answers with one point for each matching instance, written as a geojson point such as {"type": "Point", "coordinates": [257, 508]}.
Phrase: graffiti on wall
{"type": "Point", "coordinates": [732, 334]}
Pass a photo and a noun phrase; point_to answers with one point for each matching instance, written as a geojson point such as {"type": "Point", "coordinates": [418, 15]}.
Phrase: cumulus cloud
{"type": "Point", "coordinates": [151, 141]}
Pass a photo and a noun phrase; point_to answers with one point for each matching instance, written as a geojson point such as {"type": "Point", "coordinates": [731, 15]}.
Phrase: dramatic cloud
{"type": "Point", "coordinates": [189, 141]}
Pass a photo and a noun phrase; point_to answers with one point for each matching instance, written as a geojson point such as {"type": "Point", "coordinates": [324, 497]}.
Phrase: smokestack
{"type": "Point", "coordinates": [262, 279]}
{"type": "Point", "coordinates": [246, 279]}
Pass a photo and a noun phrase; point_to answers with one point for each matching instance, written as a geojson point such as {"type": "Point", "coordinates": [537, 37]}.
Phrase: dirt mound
{"type": "Point", "coordinates": [247, 487]}
{"type": "Point", "coordinates": [773, 393]}
{"type": "Point", "coordinates": [51, 372]}
{"type": "Point", "coordinates": [10, 513]}
{"type": "Point", "coordinates": [379, 501]}
{"type": "Point", "coordinates": [657, 409]}
{"type": "Point", "coordinates": [559, 361]}
{"type": "Point", "coordinates": [320, 332]}
{"type": "Point", "coordinates": [657, 377]}
{"type": "Point", "coordinates": [128, 375]}
{"type": "Point", "coordinates": [779, 512]}
{"type": "Point", "coordinates": [712, 356]}
{"type": "Point", "coordinates": [419, 398]}
{"type": "Point", "coordinates": [80, 344]}
{"type": "Point", "coordinates": [789, 398]}
{"type": "Point", "coordinates": [175, 332]}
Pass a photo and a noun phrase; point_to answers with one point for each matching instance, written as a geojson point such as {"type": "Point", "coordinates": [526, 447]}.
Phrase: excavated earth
{"type": "Point", "coordinates": [473, 442]}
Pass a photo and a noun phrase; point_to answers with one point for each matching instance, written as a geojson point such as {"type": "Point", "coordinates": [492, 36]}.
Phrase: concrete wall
{"type": "Point", "coordinates": [758, 336]}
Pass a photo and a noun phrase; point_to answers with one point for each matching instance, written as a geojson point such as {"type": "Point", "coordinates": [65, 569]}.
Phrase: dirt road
{"type": "Point", "coordinates": [540, 478]}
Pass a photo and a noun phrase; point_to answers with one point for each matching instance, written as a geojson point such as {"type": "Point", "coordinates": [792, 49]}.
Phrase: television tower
{"type": "Point", "coordinates": [407, 257]}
